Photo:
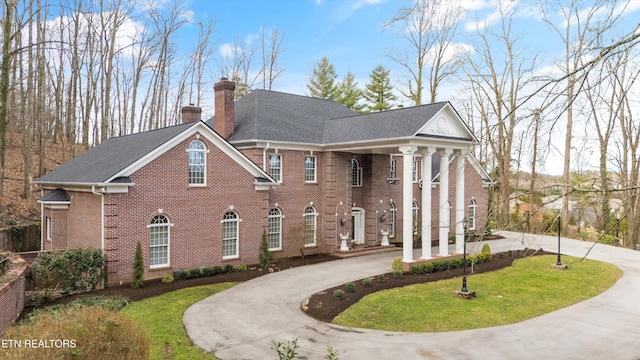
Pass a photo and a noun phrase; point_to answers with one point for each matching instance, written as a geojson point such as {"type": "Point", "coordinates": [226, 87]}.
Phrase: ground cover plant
{"type": "Point", "coordinates": [160, 317]}
{"type": "Point", "coordinates": [526, 289]}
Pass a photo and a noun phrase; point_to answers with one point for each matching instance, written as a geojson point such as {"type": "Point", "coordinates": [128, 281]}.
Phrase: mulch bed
{"type": "Point", "coordinates": [325, 307]}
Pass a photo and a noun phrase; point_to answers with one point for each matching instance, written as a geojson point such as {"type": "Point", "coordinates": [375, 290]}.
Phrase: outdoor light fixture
{"type": "Point", "coordinates": [383, 218]}
{"type": "Point", "coordinates": [464, 256]}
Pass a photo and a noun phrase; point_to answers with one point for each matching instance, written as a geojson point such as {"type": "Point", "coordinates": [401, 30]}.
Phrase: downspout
{"type": "Point", "coordinates": [42, 223]}
{"type": "Point", "coordinates": [264, 157]}
{"type": "Point", "coordinates": [93, 190]}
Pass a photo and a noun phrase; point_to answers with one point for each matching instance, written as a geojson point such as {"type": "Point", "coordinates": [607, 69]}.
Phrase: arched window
{"type": "Point", "coordinates": [356, 173]}
{"type": "Point", "coordinates": [159, 241]}
{"type": "Point", "coordinates": [415, 211]}
{"type": "Point", "coordinates": [471, 224]}
{"type": "Point", "coordinates": [392, 220]}
{"type": "Point", "coordinates": [275, 229]}
{"type": "Point", "coordinates": [310, 226]}
{"type": "Point", "coordinates": [230, 222]}
{"type": "Point", "coordinates": [197, 163]}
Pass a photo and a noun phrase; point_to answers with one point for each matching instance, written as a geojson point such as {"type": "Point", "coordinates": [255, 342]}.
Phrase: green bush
{"type": "Point", "coordinates": [69, 271]}
{"type": "Point", "coordinates": [137, 276]}
{"type": "Point", "coordinates": [381, 278]}
{"type": "Point", "coordinates": [217, 270]}
{"type": "Point", "coordinates": [168, 279]}
{"type": "Point", "coordinates": [264, 255]}
{"type": "Point", "coordinates": [350, 286]}
{"type": "Point", "coordinates": [608, 239]}
{"type": "Point", "coordinates": [194, 273]}
{"type": "Point", "coordinates": [366, 282]}
{"type": "Point", "coordinates": [227, 268]}
{"type": "Point", "coordinates": [397, 267]}
{"type": "Point", "coordinates": [112, 303]}
{"type": "Point", "coordinates": [90, 333]}
{"type": "Point", "coordinates": [240, 268]}
{"type": "Point", "coordinates": [338, 294]}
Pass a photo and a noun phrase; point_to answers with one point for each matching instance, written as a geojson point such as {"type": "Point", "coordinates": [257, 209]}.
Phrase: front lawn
{"type": "Point", "coordinates": [525, 290]}
{"type": "Point", "coordinates": [161, 319]}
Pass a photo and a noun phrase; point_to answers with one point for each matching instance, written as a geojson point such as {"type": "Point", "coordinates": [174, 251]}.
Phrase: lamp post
{"type": "Point", "coordinates": [559, 262]}
{"type": "Point", "coordinates": [617, 224]}
{"type": "Point", "coordinates": [464, 256]}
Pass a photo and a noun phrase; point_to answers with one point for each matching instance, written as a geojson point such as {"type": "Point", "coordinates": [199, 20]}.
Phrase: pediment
{"type": "Point", "coordinates": [446, 124]}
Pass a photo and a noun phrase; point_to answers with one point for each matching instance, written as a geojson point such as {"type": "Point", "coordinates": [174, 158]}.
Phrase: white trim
{"type": "Point", "coordinates": [315, 169]}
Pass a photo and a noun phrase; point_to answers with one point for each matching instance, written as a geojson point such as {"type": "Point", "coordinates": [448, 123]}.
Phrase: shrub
{"type": "Point", "coordinates": [608, 239]}
{"type": "Point", "coordinates": [240, 268]}
{"type": "Point", "coordinates": [264, 255]}
{"type": "Point", "coordinates": [90, 333]}
{"type": "Point", "coordinates": [69, 271]}
{"type": "Point", "coordinates": [287, 350]}
{"type": "Point", "coordinates": [338, 294]}
{"type": "Point", "coordinates": [350, 286]}
{"type": "Point", "coordinates": [194, 273]}
{"type": "Point", "coordinates": [112, 303]}
{"type": "Point", "coordinates": [397, 267]}
{"type": "Point", "coordinates": [227, 268]}
{"type": "Point", "coordinates": [217, 270]}
{"type": "Point", "coordinates": [366, 282]}
{"type": "Point", "coordinates": [137, 277]}
{"type": "Point", "coordinates": [208, 271]}
{"type": "Point", "coordinates": [167, 279]}
{"type": "Point", "coordinates": [381, 278]}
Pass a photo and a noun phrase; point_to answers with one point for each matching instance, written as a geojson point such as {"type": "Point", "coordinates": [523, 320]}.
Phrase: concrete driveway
{"type": "Point", "coordinates": [241, 323]}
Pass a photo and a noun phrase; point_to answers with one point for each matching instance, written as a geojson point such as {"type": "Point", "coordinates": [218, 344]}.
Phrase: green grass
{"type": "Point", "coordinates": [161, 319]}
{"type": "Point", "coordinates": [525, 290]}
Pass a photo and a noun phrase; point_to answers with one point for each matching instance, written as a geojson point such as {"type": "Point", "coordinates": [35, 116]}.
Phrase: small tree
{"type": "Point", "coordinates": [137, 278]}
{"type": "Point", "coordinates": [264, 255]}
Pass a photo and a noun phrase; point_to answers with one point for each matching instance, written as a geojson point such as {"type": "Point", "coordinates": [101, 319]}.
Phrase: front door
{"type": "Point", "coordinates": [357, 225]}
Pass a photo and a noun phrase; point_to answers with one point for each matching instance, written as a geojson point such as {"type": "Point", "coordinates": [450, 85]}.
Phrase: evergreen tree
{"type": "Point", "coordinates": [322, 84]}
{"type": "Point", "coordinates": [350, 94]}
{"type": "Point", "coordinates": [378, 90]}
{"type": "Point", "coordinates": [264, 255]}
{"type": "Point", "coordinates": [137, 277]}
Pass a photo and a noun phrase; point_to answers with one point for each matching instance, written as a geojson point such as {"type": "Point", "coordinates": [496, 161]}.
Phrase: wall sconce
{"type": "Point", "coordinates": [383, 218]}
{"type": "Point", "coordinates": [343, 222]}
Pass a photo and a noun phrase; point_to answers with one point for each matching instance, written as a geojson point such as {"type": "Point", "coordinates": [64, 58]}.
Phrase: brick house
{"type": "Point", "coordinates": [302, 170]}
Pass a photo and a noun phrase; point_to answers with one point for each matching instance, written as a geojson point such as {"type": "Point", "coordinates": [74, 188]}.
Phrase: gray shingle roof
{"type": "Point", "coordinates": [103, 161]}
{"type": "Point", "coordinates": [57, 195]}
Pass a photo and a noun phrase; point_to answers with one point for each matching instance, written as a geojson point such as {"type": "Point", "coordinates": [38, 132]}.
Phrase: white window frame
{"type": "Point", "coordinates": [392, 169]}
{"type": "Point", "coordinates": [230, 218]}
{"type": "Point", "coordinates": [473, 207]}
{"type": "Point", "coordinates": [310, 173]}
{"type": "Point", "coordinates": [274, 236]}
{"type": "Point", "coordinates": [415, 170]}
{"type": "Point", "coordinates": [47, 222]}
{"type": "Point", "coordinates": [160, 223]}
{"type": "Point", "coordinates": [275, 171]}
{"type": "Point", "coordinates": [310, 225]}
{"type": "Point", "coordinates": [392, 220]}
{"type": "Point", "coordinates": [199, 149]}
{"type": "Point", "coordinates": [356, 173]}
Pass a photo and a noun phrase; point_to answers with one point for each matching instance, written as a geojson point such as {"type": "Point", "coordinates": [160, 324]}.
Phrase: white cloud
{"type": "Point", "coordinates": [227, 50]}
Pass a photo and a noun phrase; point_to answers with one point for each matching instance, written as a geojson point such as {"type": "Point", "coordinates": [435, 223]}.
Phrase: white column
{"type": "Point", "coordinates": [407, 201]}
{"type": "Point", "coordinates": [426, 202]}
{"type": "Point", "coordinates": [443, 234]}
{"type": "Point", "coordinates": [460, 156]}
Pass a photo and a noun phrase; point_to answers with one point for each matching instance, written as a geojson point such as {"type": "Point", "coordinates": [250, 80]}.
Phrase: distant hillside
{"type": "Point", "coordinates": [14, 209]}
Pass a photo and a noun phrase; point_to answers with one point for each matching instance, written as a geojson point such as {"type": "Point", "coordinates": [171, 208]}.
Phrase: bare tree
{"type": "Point", "coordinates": [271, 47]}
{"type": "Point", "coordinates": [429, 27]}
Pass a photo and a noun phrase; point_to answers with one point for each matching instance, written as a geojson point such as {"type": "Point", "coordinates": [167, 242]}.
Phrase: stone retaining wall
{"type": "Point", "coordinates": [12, 293]}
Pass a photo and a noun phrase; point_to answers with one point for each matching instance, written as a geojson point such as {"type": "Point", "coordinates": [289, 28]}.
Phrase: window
{"type": "Point", "coordinates": [275, 167]}
{"type": "Point", "coordinates": [230, 235]}
{"type": "Point", "coordinates": [159, 241]}
{"type": "Point", "coordinates": [356, 173]}
{"type": "Point", "coordinates": [197, 174]}
{"type": "Point", "coordinates": [415, 210]}
{"type": "Point", "coordinates": [392, 169]}
{"type": "Point", "coordinates": [310, 226]}
{"type": "Point", "coordinates": [275, 229]}
{"type": "Point", "coordinates": [47, 222]}
{"type": "Point", "coordinates": [310, 169]}
{"type": "Point", "coordinates": [392, 220]}
{"type": "Point", "coordinates": [471, 225]}
{"type": "Point", "coordinates": [414, 172]}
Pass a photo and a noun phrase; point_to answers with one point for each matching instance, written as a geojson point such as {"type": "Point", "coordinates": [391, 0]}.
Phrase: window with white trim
{"type": "Point", "coordinates": [392, 169]}
{"type": "Point", "coordinates": [159, 241]}
{"type": "Point", "coordinates": [275, 229]}
{"type": "Point", "coordinates": [471, 224]}
{"type": "Point", "coordinates": [230, 222]}
{"type": "Point", "coordinates": [415, 210]}
{"type": "Point", "coordinates": [197, 161]}
{"type": "Point", "coordinates": [275, 167]}
{"type": "Point", "coordinates": [356, 173]}
{"type": "Point", "coordinates": [414, 171]}
{"type": "Point", "coordinates": [310, 169]}
{"type": "Point", "coordinates": [310, 215]}
{"type": "Point", "coordinates": [47, 222]}
{"type": "Point", "coordinates": [392, 220]}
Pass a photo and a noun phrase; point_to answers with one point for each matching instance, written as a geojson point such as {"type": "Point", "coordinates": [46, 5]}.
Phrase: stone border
{"type": "Point", "coordinates": [12, 293]}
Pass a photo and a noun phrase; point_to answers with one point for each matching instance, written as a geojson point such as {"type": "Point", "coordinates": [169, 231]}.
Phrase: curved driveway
{"type": "Point", "coordinates": [241, 323]}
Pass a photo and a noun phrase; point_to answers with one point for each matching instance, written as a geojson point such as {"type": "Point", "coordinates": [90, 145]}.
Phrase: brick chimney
{"type": "Point", "coordinates": [191, 113]}
{"type": "Point", "coordinates": [224, 112]}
